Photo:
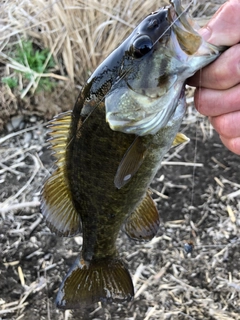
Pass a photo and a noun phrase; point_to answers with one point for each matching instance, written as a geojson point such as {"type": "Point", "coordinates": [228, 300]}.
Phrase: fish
{"type": "Point", "coordinates": [110, 146]}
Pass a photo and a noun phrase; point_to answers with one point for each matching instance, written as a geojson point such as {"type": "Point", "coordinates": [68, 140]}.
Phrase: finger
{"type": "Point", "coordinates": [216, 102]}
{"type": "Point", "coordinates": [232, 144]}
{"type": "Point", "coordinates": [223, 73]}
{"type": "Point", "coordinates": [227, 125]}
{"type": "Point", "coordinates": [223, 28]}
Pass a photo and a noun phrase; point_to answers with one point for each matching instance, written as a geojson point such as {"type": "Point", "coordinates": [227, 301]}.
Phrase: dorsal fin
{"type": "Point", "coordinates": [143, 223]}
{"type": "Point", "coordinates": [56, 202]}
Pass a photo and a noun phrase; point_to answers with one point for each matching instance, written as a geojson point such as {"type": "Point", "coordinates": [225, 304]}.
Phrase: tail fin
{"type": "Point", "coordinates": [105, 280]}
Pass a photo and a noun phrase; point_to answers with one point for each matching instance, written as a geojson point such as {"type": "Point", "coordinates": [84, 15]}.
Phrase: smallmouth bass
{"type": "Point", "coordinates": [109, 148]}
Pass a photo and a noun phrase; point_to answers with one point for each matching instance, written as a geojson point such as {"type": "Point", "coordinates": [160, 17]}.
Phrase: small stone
{"type": "Point", "coordinates": [16, 121]}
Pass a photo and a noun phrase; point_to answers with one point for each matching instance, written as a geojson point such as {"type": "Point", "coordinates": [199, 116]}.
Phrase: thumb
{"type": "Point", "coordinates": [224, 26]}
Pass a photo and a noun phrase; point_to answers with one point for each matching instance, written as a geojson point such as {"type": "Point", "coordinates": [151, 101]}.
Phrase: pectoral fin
{"type": "Point", "coordinates": [130, 163]}
{"type": "Point", "coordinates": [143, 223]}
{"type": "Point", "coordinates": [179, 139]}
{"type": "Point", "coordinates": [56, 203]}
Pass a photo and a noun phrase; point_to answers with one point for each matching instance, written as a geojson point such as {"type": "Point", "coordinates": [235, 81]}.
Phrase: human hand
{"type": "Point", "coordinates": [218, 85]}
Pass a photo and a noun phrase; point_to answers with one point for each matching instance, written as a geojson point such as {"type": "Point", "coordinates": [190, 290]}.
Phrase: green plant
{"type": "Point", "coordinates": [12, 82]}
{"type": "Point", "coordinates": [33, 63]}
{"type": "Point", "coordinates": [33, 58]}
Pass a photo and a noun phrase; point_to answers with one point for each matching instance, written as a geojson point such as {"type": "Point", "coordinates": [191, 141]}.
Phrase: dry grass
{"type": "Point", "coordinates": [79, 34]}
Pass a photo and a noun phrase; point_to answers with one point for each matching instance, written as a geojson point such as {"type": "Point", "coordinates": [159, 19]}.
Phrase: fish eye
{"type": "Point", "coordinates": [142, 45]}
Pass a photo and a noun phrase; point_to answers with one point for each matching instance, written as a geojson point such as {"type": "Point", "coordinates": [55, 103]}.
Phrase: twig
{"type": "Point", "coordinates": [159, 194]}
{"type": "Point", "coordinates": [231, 213]}
{"type": "Point", "coordinates": [150, 312]}
{"type": "Point", "coordinates": [174, 154]}
{"type": "Point", "coordinates": [38, 252]}
{"type": "Point", "coordinates": [19, 206]}
{"type": "Point", "coordinates": [219, 163]}
{"type": "Point", "coordinates": [35, 224]}
{"type": "Point", "coordinates": [178, 163]}
{"type": "Point", "coordinates": [13, 308]}
{"type": "Point", "coordinates": [27, 183]}
{"type": "Point", "coordinates": [234, 184]}
{"type": "Point", "coordinates": [231, 195]}
{"type": "Point", "coordinates": [137, 274]}
{"type": "Point", "coordinates": [21, 276]}
{"type": "Point", "coordinates": [14, 134]}
{"type": "Point", "coordinates": [152, 278]}
{"type": "Point", "coordinates": [10, 169]}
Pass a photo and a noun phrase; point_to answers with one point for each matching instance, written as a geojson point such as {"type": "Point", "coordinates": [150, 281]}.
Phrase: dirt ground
{"type": "Point", "coordinates": [198, 199]}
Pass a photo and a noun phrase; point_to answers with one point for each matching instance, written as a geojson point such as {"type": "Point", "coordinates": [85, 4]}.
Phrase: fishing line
{"type": "Point", "coordinates": [192, 231]}
{"type": "Point", "coordinates": [178, 17]}
{"type": "Point", "coordinates": [193, 175]}
{"type": "Point", "coordinates": [123, 76]}
{"type": "Point", "coordinates": [189, 244]}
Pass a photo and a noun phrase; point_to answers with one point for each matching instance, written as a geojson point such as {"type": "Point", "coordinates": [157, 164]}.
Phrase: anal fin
{"type": "Point", "coordinates": [143, 223]}
{"type": "Point", "coordinates": [105, 280]}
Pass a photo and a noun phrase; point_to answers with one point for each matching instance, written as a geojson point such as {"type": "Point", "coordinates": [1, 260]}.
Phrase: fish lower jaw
{"type": "Point", "coordinates": [152, 122]}
{"type": "Point", "coordinates": [208, 49]}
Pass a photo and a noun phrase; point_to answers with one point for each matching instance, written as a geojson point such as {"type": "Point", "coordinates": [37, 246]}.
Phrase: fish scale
{"type": "Point", "coordinates": [126, 118]}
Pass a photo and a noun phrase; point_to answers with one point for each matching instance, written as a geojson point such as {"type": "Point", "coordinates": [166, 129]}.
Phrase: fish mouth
{"type": "Point", "coordinates": [186, 32]}
{"type": "Point", "coordinates": [151, 111]}
{"type": "Point", "coordinates": [144, 108]}
{"type": "Point", "coordinates": [184, 28]}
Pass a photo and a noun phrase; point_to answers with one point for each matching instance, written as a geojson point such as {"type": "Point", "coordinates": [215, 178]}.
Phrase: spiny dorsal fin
{"type": "Point", "coordinates": [179, 139]}
{"type": "Point", "coordinates": [56, 202]}
{"type": "Point", "coordinates": [105, 280]}
{"type": "Point", "coordinates": [59, 130]}
{"type": "Point", "coordinates": [130, 163]}
{"type": "Point", "coordinates": [143, 223]}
